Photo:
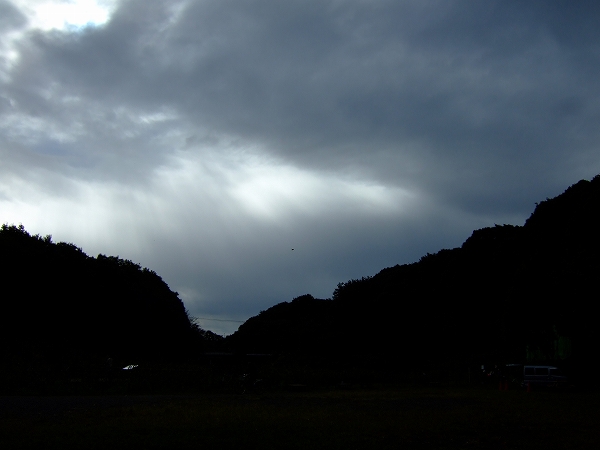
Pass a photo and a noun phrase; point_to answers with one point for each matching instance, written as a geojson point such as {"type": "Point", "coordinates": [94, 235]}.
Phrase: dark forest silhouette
{"type": "Point", "coordinates": [61, 309]}
{"type": "Point", "coordinates": [509, 294]}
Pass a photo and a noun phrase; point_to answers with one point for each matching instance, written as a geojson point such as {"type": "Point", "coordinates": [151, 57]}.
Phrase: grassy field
{"type": "Point", "coordinates": [439, 418]}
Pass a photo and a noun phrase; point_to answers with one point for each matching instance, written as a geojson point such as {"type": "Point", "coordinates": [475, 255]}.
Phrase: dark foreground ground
{"type": "Point", "coordinates": [383, 418]}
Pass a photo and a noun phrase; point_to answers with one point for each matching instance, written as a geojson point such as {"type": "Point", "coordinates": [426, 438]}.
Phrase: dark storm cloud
{"type": "Point", "coordinates": [485, 86]}
{"type": "Point", "coordinates": [473, 110]}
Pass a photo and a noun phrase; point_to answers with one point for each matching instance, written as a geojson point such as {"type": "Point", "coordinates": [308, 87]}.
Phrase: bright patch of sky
{"type": "Point", "coordinates": [266, 191]}
{"type": "Point", "coordinates": [204, 189]}
{"type": "Point", "coordinates": [46, 15]}
{"type": "Point", "coordinates": [66, 14]}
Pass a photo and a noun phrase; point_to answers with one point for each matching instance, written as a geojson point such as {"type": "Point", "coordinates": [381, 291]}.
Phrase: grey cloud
{"type": "Point", "coordinates": [321, 83]}
{"type": "Point", "coordinates": [10, 17]}
{"type": "Point", "coordinates": [303, 78]}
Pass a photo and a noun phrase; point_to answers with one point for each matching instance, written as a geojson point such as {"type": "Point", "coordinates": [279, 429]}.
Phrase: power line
{"type": "Point", "coordinates": [219, 320]}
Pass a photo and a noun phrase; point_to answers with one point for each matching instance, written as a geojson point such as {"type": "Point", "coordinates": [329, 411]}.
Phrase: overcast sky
{"type": "Point", "coordinates": [206, 139]}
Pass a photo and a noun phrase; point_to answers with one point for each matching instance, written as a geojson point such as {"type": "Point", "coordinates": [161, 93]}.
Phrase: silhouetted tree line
{"type": "Point", "coordinates": [509, 294]}
{"type": "Point", "coordinates": [59, 306]}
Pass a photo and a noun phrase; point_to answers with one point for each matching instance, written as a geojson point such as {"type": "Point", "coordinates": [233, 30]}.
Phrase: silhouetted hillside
{"type": "Point", "coordinates": [508, 294]}
{"type": "Point", "coordinates": [300, 326]}
{"type": "Point", "coordinates": [59, 305]}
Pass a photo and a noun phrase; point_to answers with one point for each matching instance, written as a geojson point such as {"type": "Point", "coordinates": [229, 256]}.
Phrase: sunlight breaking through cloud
{"type": "Point", "coordinates": [66, 15]}
{"type": "Point", "coordinates": [269, 192]}
{"type": "Point", "coordinates": [46, 15]}
{"type": "Point", "coordinates": [219, 191]}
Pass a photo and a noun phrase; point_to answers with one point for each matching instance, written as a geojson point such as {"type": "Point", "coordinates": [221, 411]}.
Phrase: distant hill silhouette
{"type": "Point", "coordinates": [509, 294]}
{"type": "Point", "coordinates": [59, 305]}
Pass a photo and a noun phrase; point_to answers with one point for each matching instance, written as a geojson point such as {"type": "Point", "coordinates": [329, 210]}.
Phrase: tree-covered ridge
{"type": "Point", "coordinates": [298, 326]}
{"type": "Point", "coordinates": [508, 294]}
{"type": "Point", "coordinates": [59, 303]}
